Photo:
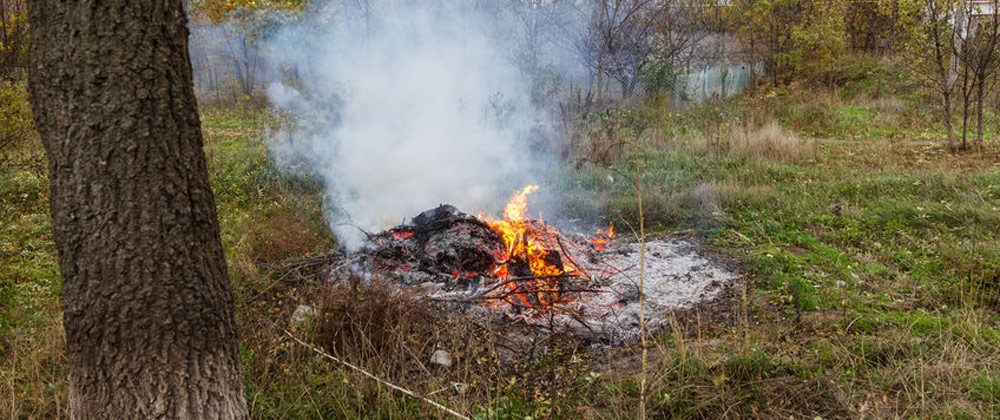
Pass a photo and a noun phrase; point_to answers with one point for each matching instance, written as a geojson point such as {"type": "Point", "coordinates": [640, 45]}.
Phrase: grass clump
{"type": "Point", "coordinates": [769, 141]}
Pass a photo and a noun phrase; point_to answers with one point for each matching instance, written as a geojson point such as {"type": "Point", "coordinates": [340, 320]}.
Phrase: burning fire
{"type": "Point", "coordinates": [602, 237]}
{"type": "Point", "coordinates": [518, 204]}
{"type": "Point", "coordinates": [529, 265]}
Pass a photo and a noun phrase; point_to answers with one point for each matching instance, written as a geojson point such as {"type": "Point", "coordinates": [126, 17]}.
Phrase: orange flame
{"type": "Point", "coordinates": [602, 237]}
{"type": "Point", "coordinates": [518, 204]}
{"type": "Point", "coordinates": [529, 242]}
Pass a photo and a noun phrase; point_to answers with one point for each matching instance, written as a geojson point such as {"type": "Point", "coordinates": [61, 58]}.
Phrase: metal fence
{"type": "Point", "coordinates": [716, 82]}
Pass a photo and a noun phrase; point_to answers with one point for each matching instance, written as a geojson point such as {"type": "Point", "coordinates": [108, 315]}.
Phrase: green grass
{"type": "Point", "coordinates": [862, 276]}
{"type": "Point", "coordinates": [32, 363]}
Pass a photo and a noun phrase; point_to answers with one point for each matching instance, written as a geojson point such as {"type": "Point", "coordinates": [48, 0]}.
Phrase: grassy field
{"type": "Point", "coordinates": [871, 259]}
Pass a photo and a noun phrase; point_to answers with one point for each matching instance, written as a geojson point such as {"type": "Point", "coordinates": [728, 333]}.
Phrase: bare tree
{"type": "Point", "coordinates": [979, 56]}
{"type": "Point", "coordinates": [545, 33]}
{"type": "Point", "coordinates": [929, 55]}
{"type": "Point", "coordinates": [534, 17]}
{"type": "Point", "coordinates": [242, 56]}
{"type": "Point", "coordinates": [619, 43]}
{"type": "Point", "coordinates": [679, 36]}
{"type": "Point", "coordinates": [147, 306]}
{"type": "Point", "coordinates": [13, 38]}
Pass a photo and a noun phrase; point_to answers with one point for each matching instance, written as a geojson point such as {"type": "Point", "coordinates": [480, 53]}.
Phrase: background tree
{"type": "Point", "coordinates": [13, 38]}
{"type": "Point", "coordinates": [226, 44]}
{"type": "Point", "coordinates": [542, 29]}
{"type": "Point", "coordinates": [795, 38]}
{"type": "Point", "coordinates": [768, 25]}
{"type": "Point", "coordinates": [619, 42]}
{"type": "Point", "coordinates": [147, 306]}
{"type": "Point", "coordinates": [873, 27]}
{"type": "Point", "coordinates": [928, 52]}
{"type": "Point", "coordinates": [679, 30]}
{"type": "Point", "coordinates": [979, 57]}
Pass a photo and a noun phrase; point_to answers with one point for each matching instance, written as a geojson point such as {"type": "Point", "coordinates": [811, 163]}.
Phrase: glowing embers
{"type": "Point", "coordinates": [397, 235]}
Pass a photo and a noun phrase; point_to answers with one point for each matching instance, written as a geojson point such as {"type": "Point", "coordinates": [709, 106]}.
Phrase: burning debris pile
{"type": "Point", "coordinates": [528, 270]}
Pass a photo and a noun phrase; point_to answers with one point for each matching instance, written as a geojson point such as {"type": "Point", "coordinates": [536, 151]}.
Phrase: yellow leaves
{"type": "Point", "coordinates": [221, 10]}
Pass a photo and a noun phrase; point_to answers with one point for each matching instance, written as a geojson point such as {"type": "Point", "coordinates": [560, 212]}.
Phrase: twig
{"type": "Point", "coordinates": [548, 276]}
{"type": "Point", "coordinates": [504, 282]}
{"type": "Point", "coordinates": [505, 295]}
{"type": "Point", "coordinates": [377, 379]}
{"type": "Point", "coordinates": [631, 228]}
{"type": "Point", "coordinates": [642, 290]}
{"type": "Point", "coordinates": [623, 272]}
{"type": "Point", "coordinates": [367, 234]}
{"type": "Point", "coordinates": [293, 268]}
{"type": "Point", "coordinates": [570, 258]}
{"type": "Point", "coordinates": [578, 317]}
{"type": "Point", "coordinates": [275, 283]}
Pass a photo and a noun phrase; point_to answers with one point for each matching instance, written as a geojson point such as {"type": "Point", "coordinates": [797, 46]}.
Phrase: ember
{"type": "Point", "coordinates": [401, 235]}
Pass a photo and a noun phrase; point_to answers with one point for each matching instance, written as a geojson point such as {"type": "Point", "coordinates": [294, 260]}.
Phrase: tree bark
{"type": "Point", "coordinates": [966, 97]}
{"type": "Point", "coordinates": [980, 96]}
{"type": "Point", "coordinates": [147, 306]}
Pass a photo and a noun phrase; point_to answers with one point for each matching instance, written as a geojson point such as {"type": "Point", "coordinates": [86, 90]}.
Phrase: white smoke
{"type": "Point", "coordinates": [400, 108]}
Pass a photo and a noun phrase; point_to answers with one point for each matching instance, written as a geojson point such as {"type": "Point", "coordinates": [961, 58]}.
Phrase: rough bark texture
{"type": "Point", "coordinates": [148, 310]}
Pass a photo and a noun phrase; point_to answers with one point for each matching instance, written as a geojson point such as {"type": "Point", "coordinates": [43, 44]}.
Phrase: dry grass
{"type": "Point", "coordinates": [33, 371]}
{"type": "Point", "coordinates": [365, 323]}
{"type": "Point", "coordinates": [769, 142]}
{"type": "Point", "coordinates": [498, 366]}
{"type": "Point", "coordinates": [378, 328]}
{"type": "Point", "coordinates": [715, 196]}
{"type": "Point", "coordinates": [284, 231]}
{"type": "Point", "coordinates": [907, 155]}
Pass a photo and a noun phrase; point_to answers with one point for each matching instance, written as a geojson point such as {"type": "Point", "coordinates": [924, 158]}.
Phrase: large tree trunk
{"type": "Point", "coordinates": [148, 310]}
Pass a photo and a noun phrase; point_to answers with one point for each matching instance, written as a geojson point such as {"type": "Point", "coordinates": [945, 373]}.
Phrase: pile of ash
{"type": "Point", "coordinates": [455, 259]}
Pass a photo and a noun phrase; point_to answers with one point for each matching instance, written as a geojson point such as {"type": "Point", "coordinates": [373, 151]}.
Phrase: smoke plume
{"type": "Point", "coordinates": [400, 108]}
